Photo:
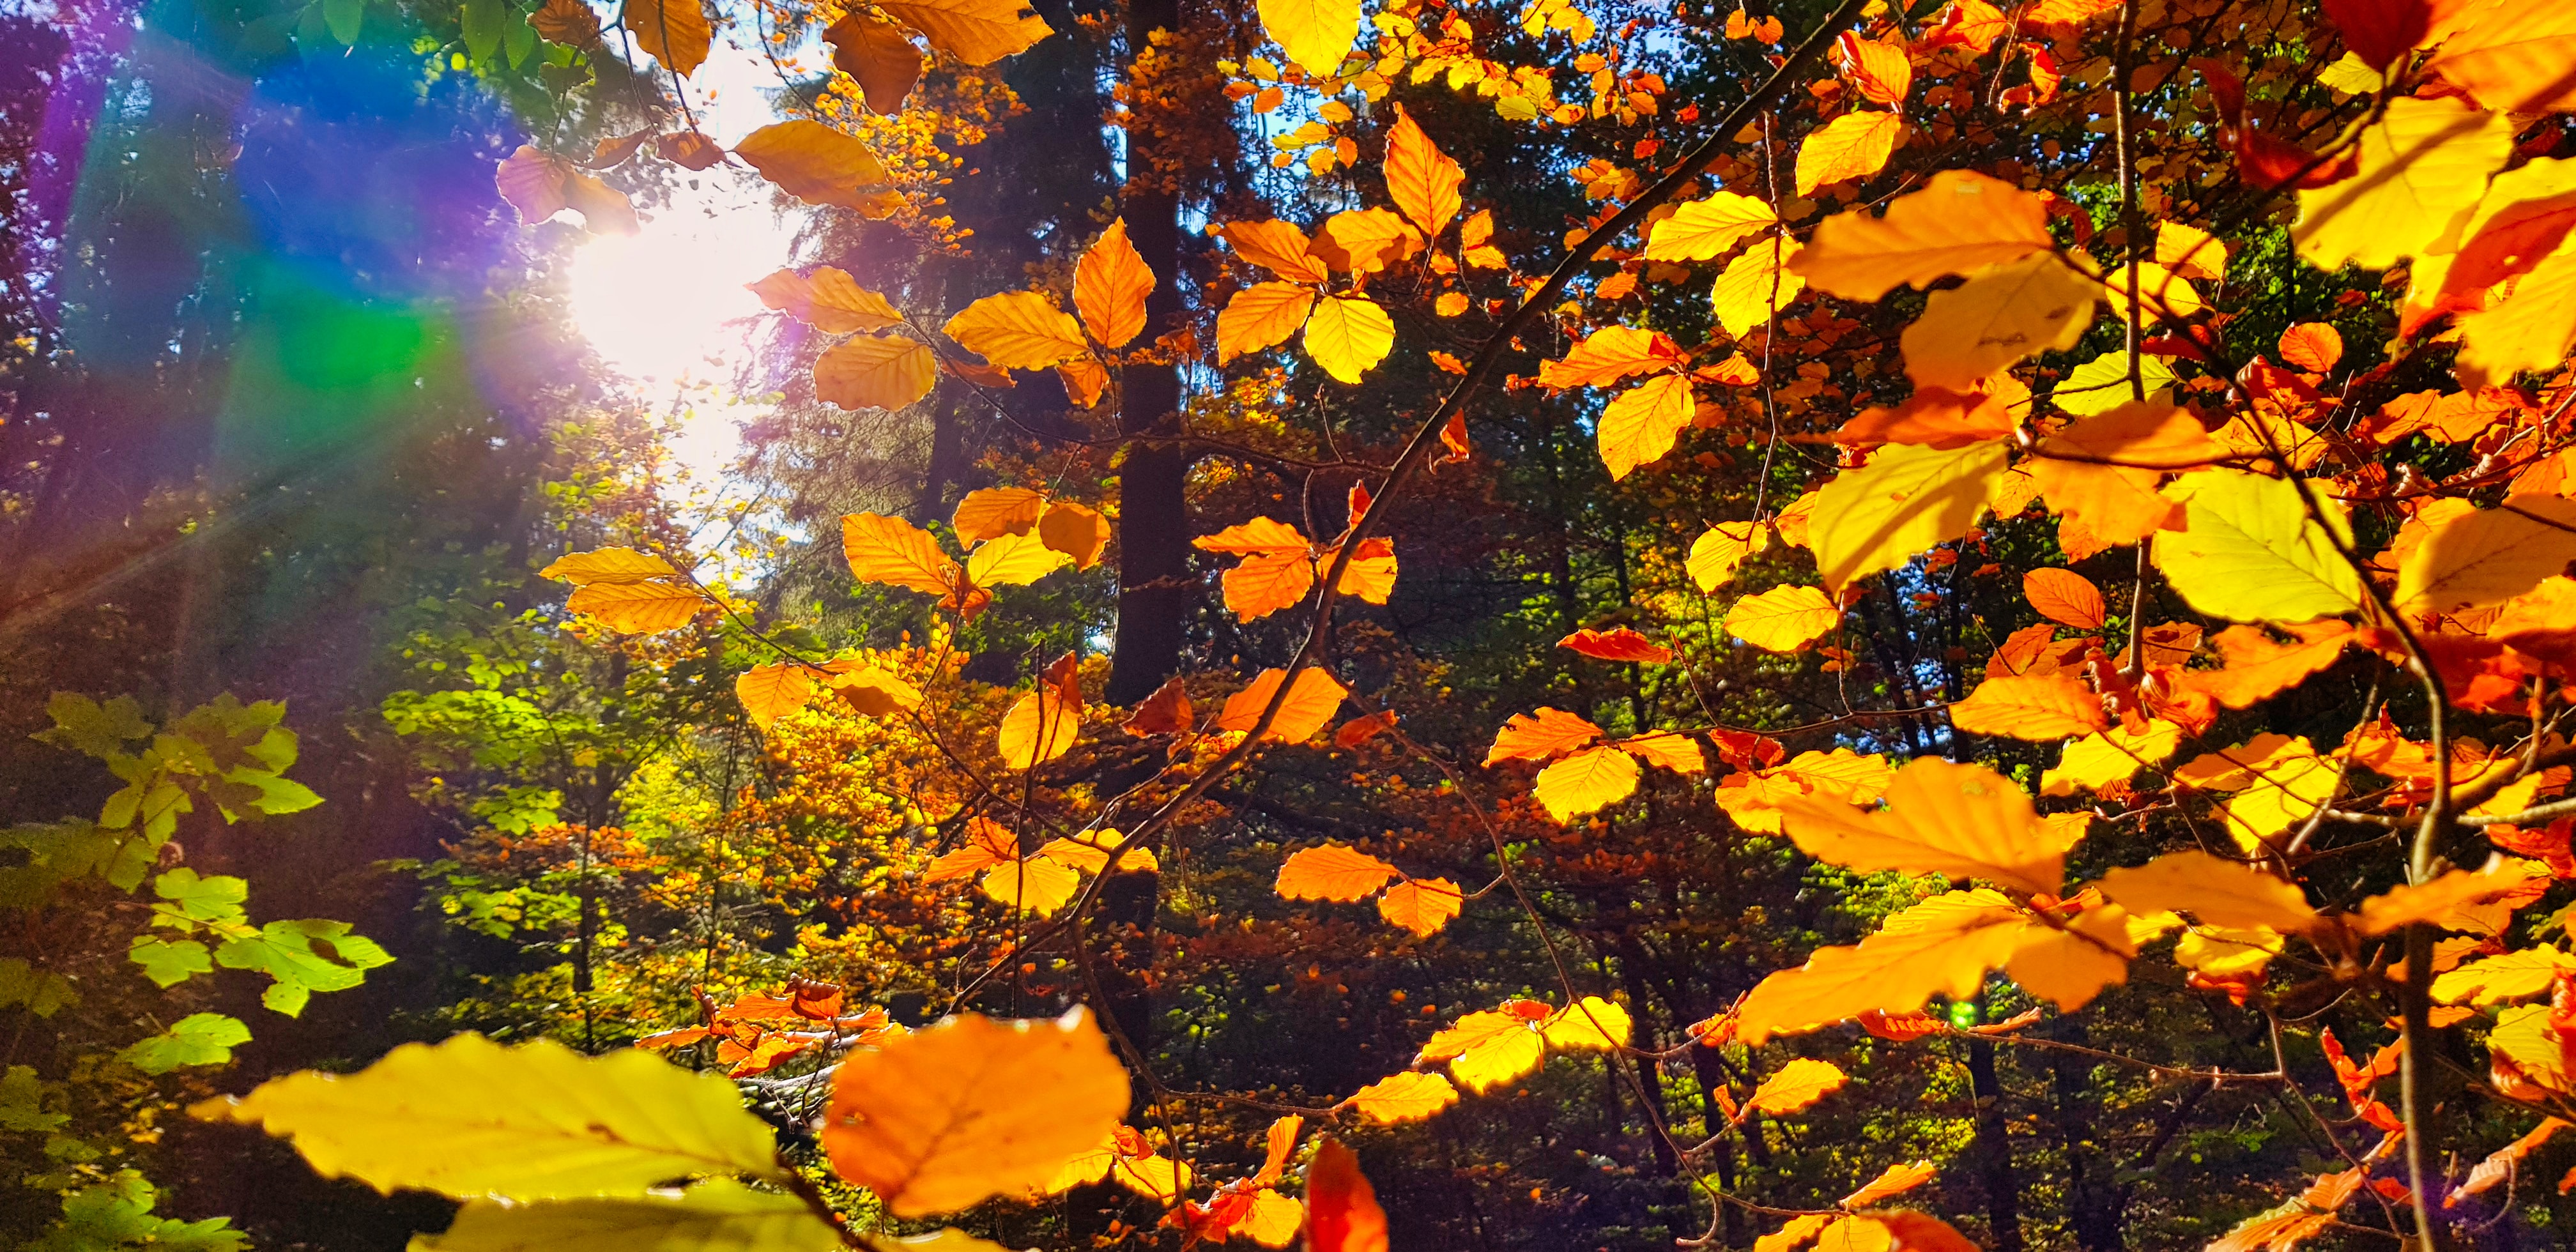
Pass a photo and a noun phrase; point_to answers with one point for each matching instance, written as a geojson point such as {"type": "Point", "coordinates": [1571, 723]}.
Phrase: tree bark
{"type": "Point", "coordinates": [1155, 589]}
{"type": "Point", "coordinates": [1991, 1152]}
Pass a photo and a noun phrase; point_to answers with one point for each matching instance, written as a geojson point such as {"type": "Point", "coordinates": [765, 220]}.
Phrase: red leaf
{"type": "Point", "coordinates": [1621, 644]}
{"type": "Point", "coordinates": [1342, 1213]}
{"type": "Point", "coordinates": [2380, 31]}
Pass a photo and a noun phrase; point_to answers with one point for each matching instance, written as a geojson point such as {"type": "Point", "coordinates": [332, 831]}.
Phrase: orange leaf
{"type": "Point", "coordinates": [1261, 316]}
{"type": "Point", "coordinates": [827, 300]}
{"type": "Point", "coordinates": [1332, 871]}
{"type": "Point", "coordinates": [2258, 668]}
{"type": "Point", "coordinates": [1038, 729]}
{"type": "Point", "coordinates": [2065, 597]}
{"type": "Point", "coordinates": [993, 512]}
{"type": "Point", "coordinates": [770, 692]}
{"type": "Point", "coordinates": [1110, 286]}
{"type": "Point", "coordinates": [1075, 530]}
{"type": "Point", "coordinates": [1311, 702]}
{"type": "Point", "coordinates": [1609, 354]}
{"type": "Point", "coordinates": [2030, 706]}
{"type": "Point", "coordinates": [1784, 619]}
{"type": "Point", "coordinates": [1639, 425]}
{"type": "Point", "coordinates": [1962, 821]}
{"type": "Point", "coordinates": [1896, 1180]}
{"type": "Point", "coordinates": [1537, 736]}
{"type": "Point", "coordinates": [817, 164]}
{"type": "Point", "coordinates": [1880, 70]}
{"type": "Point", "coordinates": [1958, 224]}
{"type": "Point", "coordinates": [1799, 1083]}
{"type": "Point", "coordinates": [1360, 730]}
{"type": "Point", "coordinates": [1410, 1096]}
{"type": "Point", "coordinates": [1586, 781]}
{"type": "Point", "coordinates": [1342, 1213]}
{"type": "Point", "coordinates": [893, 551]}
{"type": "Point", "coordinates": [638, 608]}
{"type": "Point", "coordinates": [1279, 247]}
{"type": "Point", "coordinates": [987, 844]}
{"type": "Point", "coordinates": [1421, 905]}
{"type": "Point", "coordinates": [1935, 417]}
{"type": "Point", "coordinates": [1262, 585]}
{"type": "Point", "coordinates": [2312, 346]}
{"type": "Point", "coordinates": [2215, 891]}
{"type": "Point", "coordinates": [1165, 712]}
{"type": "Point", "coordinates": [1423, 182]}
{"type": "Point", "coordinates": [1855, 145]}
{"type": "Point", "coordinates": [1618, 644]}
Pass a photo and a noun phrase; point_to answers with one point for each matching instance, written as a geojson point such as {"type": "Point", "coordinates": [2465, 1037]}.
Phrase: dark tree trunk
{"type": "Point", "coordinates": [1154, 585]}
{"type": "Point", "coordinates": [1991, 1153]}
{"type": "Point", "coordinates": [2092, 1201]}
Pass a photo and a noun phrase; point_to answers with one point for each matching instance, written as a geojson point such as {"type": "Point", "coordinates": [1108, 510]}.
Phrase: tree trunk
{"type": "Point", "coordinates": [1991, 1153]}
{"type": "Point", "coordinates": [1155, 589]}
{"type": "Point", "coordinates": [2092, 1201]}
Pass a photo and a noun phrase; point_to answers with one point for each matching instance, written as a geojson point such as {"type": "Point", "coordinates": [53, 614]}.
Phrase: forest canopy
{"type": "Point", "coordinates": [765, 626]}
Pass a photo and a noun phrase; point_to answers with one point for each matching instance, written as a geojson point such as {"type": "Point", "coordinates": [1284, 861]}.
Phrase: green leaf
{"type": "Point", "coordinates": [170, 962]}
{"type": "Point", "coordinates": [194, 901]}
{"type": "Point", "coordinates": [43, 992]}
{"type": "Point", "coordinates": [100, 730]}
{"type": "Point", "coordinates": [2251, 553]}
{"type": "Point", "coordinates": [292, 954]}
{"type": "Point", "coordinates": [277, 794]}
{"type": "Point", "coordinates": [197, 1039]}
{"type": "Point", "coordinates": [538, 1121]}
{"type": "Point", "coordinates": [117, 1214]}
{"type": "Point", "coordinates": [481, 24]}
{"type": "Point", "coordinates": [714, 1216]}
{"type": "Point", "coordinates": [22, 1103]}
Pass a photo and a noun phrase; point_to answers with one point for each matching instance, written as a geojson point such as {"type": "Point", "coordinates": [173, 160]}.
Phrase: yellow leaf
{"type": "Point", "coordinates": [2215, 891]}
{"type": "Point", "coordinates": [1783, 619]}
{"type": "Point", "coordinates": [1021, 330]}
{"type": "Point", "coordinates": [1855, 145]}
{"type": "Point", "coordinates": [1423, 182]}
{"type": "Point", "coordinates": [532, 1122]}
{"type": "Point", "coordinates": [1943, 945]}
{"type": "Point", "coordinates": [1153, 1176]}
{"type": "Point", "coordinates": [875, 372]}
{"type": "Point", "coordinates": [717, 1213]}
{"type": "Point", "coordinates": [819, 165]}
{"type": "Point", "coordinates": [1261, 316]}
{"type": "Point", "coordinates": [1998, 317]}
{"type": "Point", "coordinates": [1794, 1235]}
{"type": "Point", "coordinates": [978, 32]}
{"type": "Point", "coordinates": [1421, 905]}
{"type": "Point", "coordinates": [1908, 498]}
{"type": "Point", "coordinates": [2190, 251]}
{"type": "Point", "coordinates": [1312, 701]}
{"type": "Point", "coordinates": [1539, 735]}
{"type": "Point", "coordinates": [1110, 286]}
{"type": "Point", "coordinates": [1958, 224]}
{"type": "Point", "coordinates": [2512, 976]}
{"type": "Point", "coordinates": [1675, 752]}
{"type": "Point", "coordinates": [1756, 284]}
{"type": "Point", "coordinates": [1031, 886]}
{"type": "Point", "coordinates": [2423, 164]}
{"type": "Point", "coordinates": [1410, 1096]}
{"type": "Point", "coordinates": [673, 32]}
{"type": "Point", "coordinates": [1609, 354]}
{"type": "Point", "coordinates": [2030, 706]}
{"type": "Point", "coordinates": [1590, 1024]}
{"type": "Point", "coordinates": [1075, 530]}
{"type": "Point", "coordinates": [1316, 34]}
{"type": "Point", "coordinates": [1332, 871]}
{"type": "Point", "coordinates": [1960, 821]}
{"type": "Point", "coordinates": [1013, 561]}
{"type": "Point", "coordinates": [1486, 1050]}
{"type": "Point", "coordinates": [608, 565]}
{"type": "Point", "coordinates": [1091, 853]}
{"type": "Point", "coordinates": [1706, 229]}
{"type": "Point", "coordinates": [1274, 1220]}
{"type": "Point", "coordinates": [2513, 56]}
{"type": "Point", "coordinates": [770, 692]}
{"type": "Point", "coordinates": [2108, 756]}
{"type": "Point", "coordinates": [1715, 555]}
{"type": "Point", "coordinates": [2528, 330]}
{"type": "Point", "coordinates": [1639, 424]}
{"type": "Point", "coordinates": [1585, 781]}
{"type": "Point", "coordinates": [1347, 335]}
{"type": "Point", "coordinates": [2490, 555]}
{"type": "Point", "coordinates": [1796, 1085]}
{"type": "Point", "coordinates": [2071, 966]}
{"type": "Point", "coordinates": [2161, 292]}
{"type": "Point", "coordinates": [893, 551]}
{"type": "Point", "coordinates": [638, 608]}
{"type": "Point", "coordinates": [939, 1119]}
{"type": "Point", "coordinates": [828, 300]}
{"type": "Point", "coordinates": [1042, 726]}
{"type": "Point", "coordinates": [2249, 551]}
{"type": "Point", "coordinates": [993, 512]}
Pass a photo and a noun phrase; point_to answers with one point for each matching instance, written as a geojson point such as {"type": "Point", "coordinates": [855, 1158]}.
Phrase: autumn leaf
{"type": "Point", "coordinates": [2312, 346]}
{"type": "Point", "coordinates": [1617, 644]}
{"type": "Point", "coordinates": [1590, 1024]}
{"type": "Point", "coordinates": [1110, 285]}
{"type": "Point", "coordinates": [716, 1213]}
{"type": "Point", "coordinates": [1348, 335]}
{"type": "Point", "coordinates": [992, 512]}
{"type": "Point", "coordinates": [876, 54]}
{"type": "Point", "coordinates": [1795, 1086]}
{"type": "Point", "coordinates": [1020, 330]}
{"type": "Point", "coordinates": [2510, 976]}
{"type": "Point", "coordinates": [638, 608]}
{"type": "Point", "coordinates": [608, 565]}
{"type": "Point", "coordinates": [2217, 892]}
{"type": "Point", "coordinates": [1881, 70]}
{"type": "Point", "coordinates": [1904, 501]}
{"type": "Point", "coordinates": [1013, 561]}
{"type": "Point", "coordinates": [1311, 703]}
{"type": "Point", "coordinates": [1959, 223]}
{"type": "Point", "coordinates": [1421, 905]}
{"type": "Point", "coordinates": [1261, 316]}
{"type": "Point", "coordinates": [828, 300]}
{"type": "Point", "coordinates": [2257, 668]}
{"type": "Point", "coordinates": [1757, 283]}
{"type": "Point", "coordinates": [770, 692]}
{"type": "Point", "coordinates": [539, 186]}
{"type": "Point", "coordinates": [1997, 318]}
{"type": "Point", "coordinates": [893, 551]}
{"type": "Point", "coordinates": [2422, 163]}
{"type": "Point", "coordinates": [1895, 1180]}
{"type": "Point", "coordinates": [1720, 549]}
{"type": "Point", "coordinates": [1609, 354]}
{"type": "Point", "coordinates": [1410, 1096]}
{"type": "Point", "coordinates": [1963, 821]}
{"type": "Point", "coordinates": [1342, 1213]}
{"type": "Point", "coordinates": [2065, 597]}
{"type": "Point", "coordinates": [1855, 145]}
{"type": "Point", "coordinates": [871, 690]}
{"type": "Point", "coordinates": [1539, 735]}
{"type": "Point", "coordinates": [1943, 945]}
{"type": "Point", "coordinates": [673, 32]}
{"type": "Point", "coordinates": [2030, 706]}
{"type": "Point", "coordinates": [2445, 901]}
{"type": "Point", "coordinates": [819, 165]}
{"type": "Point", "coordinates": [1423, 182]}
{"type": "Point", "coordinates": [1332, 871]}
{"type": "Point", "coordinates": [531, 1122]}
{"type": "Point", "coordinates": [2109, 755]}
{"type": "Point", "coordinates": [875, 372]}
{"type": "Point", "coordinates": [1703, 230]}
{"type": "Point", "coordinates": [1592, 779]}
{"type": "Point", "coordinates": [1640, 424]}
{"type": "Point", "coordinates": [1078, 531]}
{"type": "Point", "coordinates": [1040, 727]}
{"type": "Point", "coordinates": [937, 1120]}
{"type": "Point", "coordinates": [1279, 247]}
{"type": "Point", "coordinates": [1784, 619]}
{"type": "Point", "coordinates": [1031, 886]}
{"type": "Point", "coordinates": [978, 32]}
{"type": "Point", "coordinates": [2488, 556]}
{"type": "Point", "coordinates": [2249, 551]}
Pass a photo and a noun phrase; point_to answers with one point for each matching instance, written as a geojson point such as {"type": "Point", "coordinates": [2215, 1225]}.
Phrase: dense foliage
{"type": "Point", "coordinates": [1575, 625]}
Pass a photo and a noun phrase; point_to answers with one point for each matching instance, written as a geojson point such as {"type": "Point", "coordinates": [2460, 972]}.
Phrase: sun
{"type": "Point", "coordinates": [668, 303]}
